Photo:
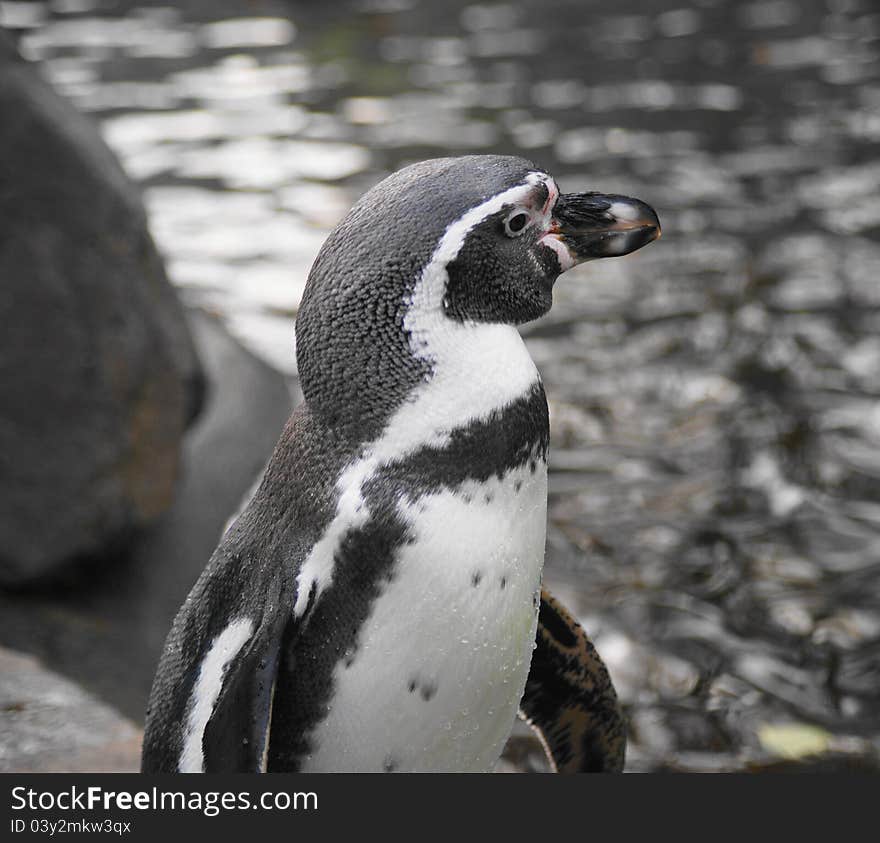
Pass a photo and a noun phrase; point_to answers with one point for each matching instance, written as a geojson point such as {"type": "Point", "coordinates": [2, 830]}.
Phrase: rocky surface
{"type": "Point", "coordinates": [98, 370]}
{"type": "Point", "coordinates": [48, 724]}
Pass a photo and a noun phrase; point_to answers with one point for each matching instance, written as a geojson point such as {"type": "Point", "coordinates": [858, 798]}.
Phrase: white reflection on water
{"type": "Point", "coordinates": [247, 32]}
{"type": "Point", "coordinates": [154, 33]}
{"type": "Point", "coordinates": [20, 15]}
{"type": "Point", "coordinates": [647, 94]}
{"type": "Point", "coordinates": [242, 79]}
{"type": "Point", "coordinates": [264, 163]}
{"type": "Point", "coordinates": [135, 130]}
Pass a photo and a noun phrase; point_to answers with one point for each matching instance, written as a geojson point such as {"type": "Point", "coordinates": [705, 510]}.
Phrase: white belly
{"type": "Point", "coordinates": [443, 658]}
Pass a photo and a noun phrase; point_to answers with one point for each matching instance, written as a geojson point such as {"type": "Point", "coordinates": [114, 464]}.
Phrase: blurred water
{"type": "Point", "coordinates": [715, 399]}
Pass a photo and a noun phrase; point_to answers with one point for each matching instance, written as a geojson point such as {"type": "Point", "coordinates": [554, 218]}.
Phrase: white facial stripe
{"type": "Point", "coordinates": [429, 291]}
{"type": "Point", "coordinates": [476, 368]}
{"type": "Point", "coordinates": [224, 649]}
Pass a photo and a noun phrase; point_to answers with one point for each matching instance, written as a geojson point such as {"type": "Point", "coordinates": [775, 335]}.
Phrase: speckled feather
{"type": "Point", "coordinates": [569, 698]}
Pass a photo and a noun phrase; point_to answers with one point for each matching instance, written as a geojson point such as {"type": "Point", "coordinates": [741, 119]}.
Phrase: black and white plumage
{"type": "Point", "coordinates": [375, 605]}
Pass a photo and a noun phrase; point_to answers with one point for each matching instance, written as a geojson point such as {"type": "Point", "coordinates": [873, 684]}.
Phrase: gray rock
{"type": "Point", "coordinates": [98, 371]}
{"type": "Point", "coordinates": [105, 628]}
{"type": "Point", "coordinates": [49, 724]}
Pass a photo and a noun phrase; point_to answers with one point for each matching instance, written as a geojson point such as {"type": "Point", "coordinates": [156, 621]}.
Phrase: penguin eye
{"type": "Point", "coordinates": [516, 223]}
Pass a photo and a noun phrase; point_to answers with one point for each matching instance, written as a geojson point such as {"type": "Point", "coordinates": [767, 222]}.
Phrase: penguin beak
{"type": "Point", "coordinates": [587, 226]}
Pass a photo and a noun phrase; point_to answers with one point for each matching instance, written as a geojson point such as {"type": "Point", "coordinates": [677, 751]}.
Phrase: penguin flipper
{"type": "Point", "coordinates": [569, 698]}
{"type": "Point", "coordinates": [236, 736]}
{"type": "Point", "coordinates": [211, 702]}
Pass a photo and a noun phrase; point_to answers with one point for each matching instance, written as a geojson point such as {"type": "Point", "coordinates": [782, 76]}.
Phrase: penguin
{"type": "Point", "coordinates": [377, 605]}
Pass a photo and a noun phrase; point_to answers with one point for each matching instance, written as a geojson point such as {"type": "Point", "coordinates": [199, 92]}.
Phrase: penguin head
{"type": "Point", "coordinates": [468, 241]}
{"type": "Point", "coordinates": [510, 250]}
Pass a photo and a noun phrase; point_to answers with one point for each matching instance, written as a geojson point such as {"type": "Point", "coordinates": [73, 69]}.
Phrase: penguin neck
{"type": "Point", "coordinates": [416, 381]}
{"type": "Point", "coordinates": [469, 371]}
{"type": "Point", "coordinates": [476, 370]}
